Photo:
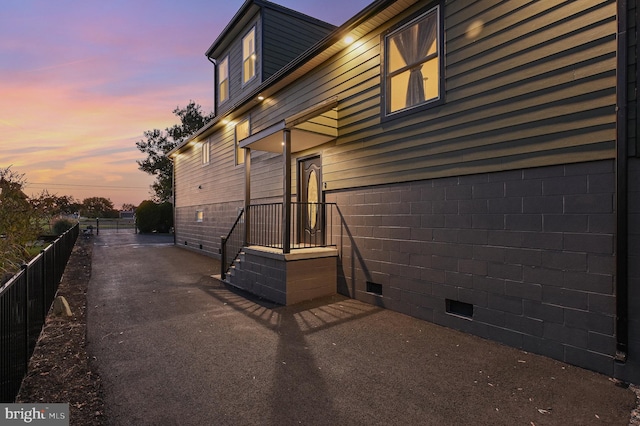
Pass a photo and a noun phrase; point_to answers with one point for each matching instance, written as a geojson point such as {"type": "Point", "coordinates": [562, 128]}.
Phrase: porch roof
{"type": "Point", "coordinates": [312, 127]}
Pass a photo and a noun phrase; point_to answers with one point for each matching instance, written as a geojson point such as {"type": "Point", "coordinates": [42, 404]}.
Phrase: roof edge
{"type": "Point", "coordinates": [364, 15]}
{"type": "Point", "coordinates": [262, 4]}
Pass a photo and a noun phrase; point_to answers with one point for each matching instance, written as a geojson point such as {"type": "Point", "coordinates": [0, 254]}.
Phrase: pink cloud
{"type": "Point", "coordinates": [82, 81]}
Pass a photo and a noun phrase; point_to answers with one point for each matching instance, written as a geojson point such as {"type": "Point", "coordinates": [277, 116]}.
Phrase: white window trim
{"type": "Point", "coordinates": [255, 54]}
{"type": "Point", "coordinates": [427, 103]}
{"type": "Point", "coordinates": [224, 62]}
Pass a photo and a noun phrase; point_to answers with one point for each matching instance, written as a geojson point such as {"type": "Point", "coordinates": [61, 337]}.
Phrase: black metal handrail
{"type": "Point", "coordinates": [231, 244]}
{"type": "Point", "coordinates": [266, 226]}
{"type": "Point", "coordinates": [266, 229]}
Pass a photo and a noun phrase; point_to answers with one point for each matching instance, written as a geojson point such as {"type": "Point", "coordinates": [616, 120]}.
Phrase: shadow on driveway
{"type": "Point", "coordinates": [174, 346]}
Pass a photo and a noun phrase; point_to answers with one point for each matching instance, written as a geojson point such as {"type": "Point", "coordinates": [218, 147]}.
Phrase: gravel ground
{"type": "Point", "coordinates": [635, 414]}
{"type": "Point", "coordinates": [60, 370]}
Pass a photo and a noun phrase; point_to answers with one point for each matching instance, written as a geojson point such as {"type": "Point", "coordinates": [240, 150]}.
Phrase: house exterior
{"type": "Point", "coordinates": [471, 164]}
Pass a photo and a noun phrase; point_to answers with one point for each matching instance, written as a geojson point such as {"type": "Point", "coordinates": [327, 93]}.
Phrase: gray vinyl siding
{"type": "Point", "coordinates": [266, 177]}
{"type": "Point", "coordinates": [285, 37]}
{"type": "Point", "coordinates": [502, 197]}
{"type": "Point", "coordinates": [220, 179]}
{"type": "Point", "coordinates": [531, 99]}
{"type": "Point", "coordinates": [280, 38]}
{"type": "Point", "coordinates": [536, 88]}
{"type": "Point", "coordinates": [216, 188]}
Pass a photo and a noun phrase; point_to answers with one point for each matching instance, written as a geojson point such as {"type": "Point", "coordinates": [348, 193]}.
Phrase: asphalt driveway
{"type": "Point", "coordinates": [174, 346]}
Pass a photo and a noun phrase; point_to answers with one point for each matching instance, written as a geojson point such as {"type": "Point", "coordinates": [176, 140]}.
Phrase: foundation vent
{"type": "Point", "coordinates": [462, 309]}
{"type": "Point", "coordinates": [374, 288]}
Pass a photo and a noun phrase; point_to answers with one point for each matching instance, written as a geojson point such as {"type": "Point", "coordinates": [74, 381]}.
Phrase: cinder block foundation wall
{"type": "Point", "coordinates": [204, 236]}
{"type": "Point", "coordinates": [521, 257]}
{"type": "Point", "coordinates": [286, 281]}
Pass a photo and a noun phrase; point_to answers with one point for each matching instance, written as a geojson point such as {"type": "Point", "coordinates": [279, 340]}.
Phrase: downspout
{"type": "Point", "coordinates": [173, 195]}
{"type": "Point", "coordinates": [621, 249]}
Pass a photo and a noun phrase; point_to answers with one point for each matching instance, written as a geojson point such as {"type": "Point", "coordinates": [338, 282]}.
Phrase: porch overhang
{"type": "Point", "coordinates": [312, 127]}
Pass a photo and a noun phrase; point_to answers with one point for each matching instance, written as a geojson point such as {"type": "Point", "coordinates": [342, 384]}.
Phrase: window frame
{"type": "Point", "coordinates": [199, 216]}
{"type": "Point", "coordinates": [237, 140]}
{"type": "Point", "coordinates": [224, 61]}
{"type": "Point", "coordinates": [385, 37]}
{"type": "Point", "coordinates": [245, 80]}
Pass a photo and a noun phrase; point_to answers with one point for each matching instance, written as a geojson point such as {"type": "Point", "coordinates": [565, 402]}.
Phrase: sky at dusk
{"type": "Point", "coordinates": [80, 81]}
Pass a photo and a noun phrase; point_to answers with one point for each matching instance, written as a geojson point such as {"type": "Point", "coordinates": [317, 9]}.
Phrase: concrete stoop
{"type": "Point", "coordinates": [286, 279]}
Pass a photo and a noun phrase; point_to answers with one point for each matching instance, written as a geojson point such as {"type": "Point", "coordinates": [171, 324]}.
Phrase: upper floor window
{"type": "Point", "coordinates": [223, 80]}
{"type": "Point", "coordinates": [413, 63]}
{"type": "Point", "coordinates": [249, 55]}
{"type": "Point", "coordinates": [242, 132]}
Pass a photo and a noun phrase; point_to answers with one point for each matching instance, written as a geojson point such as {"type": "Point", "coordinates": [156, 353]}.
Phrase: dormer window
{"type": "Point", "coordinates": [223, 80]}
{"type": "Point", "coordinates": [249, 56]}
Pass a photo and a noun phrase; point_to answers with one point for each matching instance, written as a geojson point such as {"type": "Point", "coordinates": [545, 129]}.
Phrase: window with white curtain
{"type": "Point", "coordinates": [413, 63]}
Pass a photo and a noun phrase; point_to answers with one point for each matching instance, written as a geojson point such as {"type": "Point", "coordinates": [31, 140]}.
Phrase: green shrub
{"type": "Point", "coordinates": [62, 225]}
{"type": "Point", "coordinates": [147, 216]}
{"type": "Point", "coordinates": [166, 217]}
{"type": "Point", "coordinates": [152, 217]}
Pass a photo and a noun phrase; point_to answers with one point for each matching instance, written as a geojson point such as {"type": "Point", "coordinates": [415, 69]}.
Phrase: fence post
{"type": "Point", "coordinates": [97, 226]}
{"type": "Point", "coordinates": [43, 282]}
{"type": "Point", "coordinates": [223, 257]}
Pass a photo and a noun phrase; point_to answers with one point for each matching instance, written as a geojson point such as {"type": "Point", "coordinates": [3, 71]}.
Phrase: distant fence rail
{"type": "Point", "coordinates": [24, 303]}
{"type": "Point", "coordinates": [125, 225]}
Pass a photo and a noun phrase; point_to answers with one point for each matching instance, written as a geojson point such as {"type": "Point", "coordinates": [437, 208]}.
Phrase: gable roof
{"type": "Point", "coordinates": [359, 25]}
{"type": "Point", "coordinates": [244, 16]}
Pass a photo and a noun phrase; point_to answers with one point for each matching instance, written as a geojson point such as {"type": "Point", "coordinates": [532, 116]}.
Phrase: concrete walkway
{"type": "Point", "coordinates": [174, 346]}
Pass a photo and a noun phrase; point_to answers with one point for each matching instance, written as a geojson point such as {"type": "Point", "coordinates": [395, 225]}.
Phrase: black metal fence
{"type": "Point", "coordinates": [109, 225]}
{"type": "Point", "coordinates": [312, 225]}
{"type": "Point", "coordinates": [24, 303]}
